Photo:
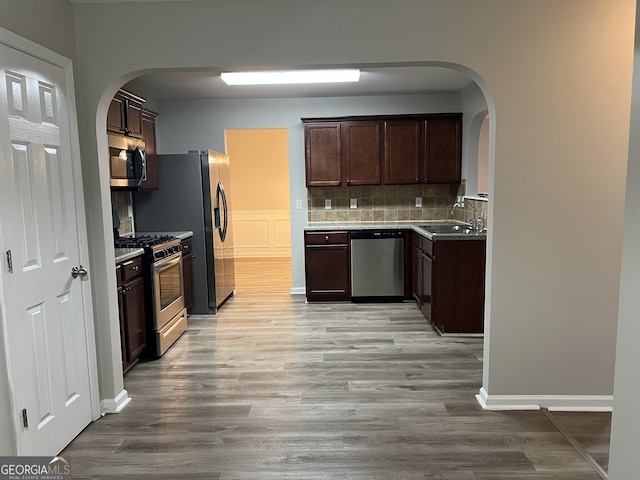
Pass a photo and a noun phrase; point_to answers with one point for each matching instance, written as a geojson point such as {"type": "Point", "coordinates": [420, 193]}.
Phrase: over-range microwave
{"type": "Point", "coordinates": [127, 163]}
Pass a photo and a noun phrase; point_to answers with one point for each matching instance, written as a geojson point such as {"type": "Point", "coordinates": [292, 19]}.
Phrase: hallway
{"type": "Point", "coordinates": [274, 388]}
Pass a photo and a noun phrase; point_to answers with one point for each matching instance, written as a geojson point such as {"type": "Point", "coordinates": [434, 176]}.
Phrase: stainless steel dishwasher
{"type": "Point", "coordinates": [377, 265]}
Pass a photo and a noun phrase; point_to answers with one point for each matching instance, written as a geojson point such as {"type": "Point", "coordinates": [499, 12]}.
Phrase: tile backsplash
{"type": "Point", "coordinates": [121, 202]}
{"type": "Point", "coordinates": [389, 203]}
{"type": "Point", "coordinates": [374, 204]}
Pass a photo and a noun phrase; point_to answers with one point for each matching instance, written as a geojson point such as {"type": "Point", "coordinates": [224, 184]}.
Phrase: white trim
{"type": "Point", "coordinates": [116, 405]}
{"type": "Point", "coordinates": [262, 233]}
{"type": "Point", "coordinates": [33, 49]}
{"type": "Point", "coordinates": [298, 291]}
{"type": "Point", "coordinates": [557, 403]}
{"type": "Point", "coordinates": [83, 245]}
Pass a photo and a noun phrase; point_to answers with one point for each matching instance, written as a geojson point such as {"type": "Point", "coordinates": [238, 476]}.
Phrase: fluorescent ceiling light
{"type": "Point", "coordinates": [280, 77]}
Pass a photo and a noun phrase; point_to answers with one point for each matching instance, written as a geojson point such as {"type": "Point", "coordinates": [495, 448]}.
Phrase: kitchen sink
{"type": "Point", "coordinates": [447, 227]}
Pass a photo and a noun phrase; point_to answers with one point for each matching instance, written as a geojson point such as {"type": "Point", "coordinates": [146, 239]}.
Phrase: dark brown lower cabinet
{"type": "Point", "coordinates": [416, 270]}
{"type": "Point", "coordinates": [327, 266]}
{"type": "Point", "coordinates": [448, 285]}
{"type": "Point", "coordinates": [131, 303]}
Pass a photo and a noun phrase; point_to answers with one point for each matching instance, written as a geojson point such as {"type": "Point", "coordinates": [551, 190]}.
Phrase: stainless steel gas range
{"type": "Point", "coordinates": [164, 290]}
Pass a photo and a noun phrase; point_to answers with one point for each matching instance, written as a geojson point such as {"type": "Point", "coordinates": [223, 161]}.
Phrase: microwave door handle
{"type": "Point", "coordinates": [143, 165]}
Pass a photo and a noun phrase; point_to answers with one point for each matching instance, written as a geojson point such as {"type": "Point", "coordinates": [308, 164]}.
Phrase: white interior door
{"type": "Point", "coordinates": [48, 359]}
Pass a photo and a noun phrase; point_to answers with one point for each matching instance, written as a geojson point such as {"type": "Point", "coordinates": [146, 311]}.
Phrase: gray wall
{"type": "Point", "coordinates": [200, 124]}
{"type": "Point", "coordinates": [46, 22]}
{"type": "Point", "coordinates": [548, 69]}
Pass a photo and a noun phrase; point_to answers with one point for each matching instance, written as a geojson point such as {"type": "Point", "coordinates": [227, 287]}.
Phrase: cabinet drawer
{"type": "Point", "coordinates": [326, 238]}
{"type": "Point", "coordinates": [187, 246]}
{"type": "Point", "coordinates": [131, 269]}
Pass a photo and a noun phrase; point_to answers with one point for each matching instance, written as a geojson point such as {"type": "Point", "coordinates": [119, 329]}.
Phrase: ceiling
{"type": "Point", "coordinates": [399, 80]}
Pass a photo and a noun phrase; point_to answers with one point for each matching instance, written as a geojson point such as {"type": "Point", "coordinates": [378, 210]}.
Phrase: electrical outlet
{"type": "Point", "coordinates": [418, 202]}
{"type": "Point", "coordinates": [327, 204]}
{"type": "Point", "coordinates": [353, 203]}
{"type": "Point", "coordinates": [299, 204]}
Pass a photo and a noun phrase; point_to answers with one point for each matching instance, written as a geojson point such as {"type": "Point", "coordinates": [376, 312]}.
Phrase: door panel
{"type": "Point", "coordinates": [47, 343]}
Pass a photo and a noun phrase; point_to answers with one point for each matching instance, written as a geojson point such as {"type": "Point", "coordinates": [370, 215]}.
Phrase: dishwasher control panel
{"type": "Point", "coordinates": [377, 234]}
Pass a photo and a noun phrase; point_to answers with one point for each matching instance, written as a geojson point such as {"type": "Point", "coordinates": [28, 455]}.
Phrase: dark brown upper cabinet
{"type": "Point", "coordinates": [149, 137]}
{"type": "Point", "coordinates": [383, 150]}
{"type": "Point", "coordinates": [361, 142]}
{"type": "Point", "coordinates": [125, 114]}
{"type": "Point", "coordinates": [443, 145]}
{"type": "Point", "coordinates": [403, 146]}
{"type": "Point", "coordinates": [323, 154]}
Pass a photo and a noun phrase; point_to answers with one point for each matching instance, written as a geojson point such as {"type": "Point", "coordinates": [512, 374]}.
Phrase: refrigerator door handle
{"type": "Point", "coordinates": [222, 196]}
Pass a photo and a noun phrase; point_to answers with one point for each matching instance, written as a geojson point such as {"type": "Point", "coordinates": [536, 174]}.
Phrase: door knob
{"type": "Point", "coordinates": [79, 272]}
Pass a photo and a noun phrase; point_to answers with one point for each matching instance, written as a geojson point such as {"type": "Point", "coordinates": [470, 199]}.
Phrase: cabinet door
{"type": "Point", "coordinates": [115, 115]}
{"type": "Point", "coordinates": [443, 150]}
{"type": "Point", "coordinates": [403, 140]}
{"type": "Point", "coordinates": [459, 286]}
{"type": "Point", "coordinates": [149, 137]}
{"type": "Point", "coordinates": [323, 154]}
{"type": "Point", "coordinates": [134, 118]}
{"type": "Point", "coordinates": [123, 332]}
{"type": "Point", "coordinates": [327, 272]}
{"type": "Point", "coordinates": [361, 153]}
{"type": "Point", "coordinates": [426, 297]}
{"type": "Point", "coordinates": [416, 273]}
{"type": "Point", "coordinates": [134, 321]}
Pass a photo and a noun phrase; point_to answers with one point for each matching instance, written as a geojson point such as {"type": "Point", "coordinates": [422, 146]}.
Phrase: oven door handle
{"type": "Point", "coordinates": [167, 262]}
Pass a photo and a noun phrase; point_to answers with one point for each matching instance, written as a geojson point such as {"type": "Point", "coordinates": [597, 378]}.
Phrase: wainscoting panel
{"type": "Point", "coordinates": [262, 233]}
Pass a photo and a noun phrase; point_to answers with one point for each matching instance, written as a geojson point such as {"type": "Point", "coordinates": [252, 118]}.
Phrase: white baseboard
{"type": "Point", "coordinates": [298, 291]}
{"type": "Point", "coordinates": [567, 403]}
{"type": "Point", "coordinates": [263, 253]}
{"type": "Point", "coordinates": [116, 405]}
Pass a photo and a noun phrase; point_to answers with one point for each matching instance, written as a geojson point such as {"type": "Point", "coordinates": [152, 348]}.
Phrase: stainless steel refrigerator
{"type": "Point", "coordinates": [195, 194]}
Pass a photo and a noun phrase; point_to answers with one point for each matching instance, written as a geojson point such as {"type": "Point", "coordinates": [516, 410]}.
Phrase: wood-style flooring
{"type": "Point", "coordinates": [274, 388]}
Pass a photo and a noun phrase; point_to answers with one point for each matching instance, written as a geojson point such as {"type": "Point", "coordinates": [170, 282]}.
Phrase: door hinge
{"type": "Point", "coordinates": [9, 261]}
{"type": "Point", "coordinates": [25, 419]}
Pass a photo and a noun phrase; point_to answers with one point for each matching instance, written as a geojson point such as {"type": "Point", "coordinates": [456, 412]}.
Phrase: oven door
{"type": "Point", "coordinates": [168, 289]}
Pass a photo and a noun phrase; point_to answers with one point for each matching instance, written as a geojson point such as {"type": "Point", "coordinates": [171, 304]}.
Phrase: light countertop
{"type": "Point", "coordinates": [124, 254]}
{"type": "Point", "coordinates": [180, 235]}
{"type": "Point", "coordinates": [414, 225]}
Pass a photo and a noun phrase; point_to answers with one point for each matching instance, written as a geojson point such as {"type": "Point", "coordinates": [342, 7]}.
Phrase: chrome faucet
{"type": "Point", "coordinates": [476, 222]}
